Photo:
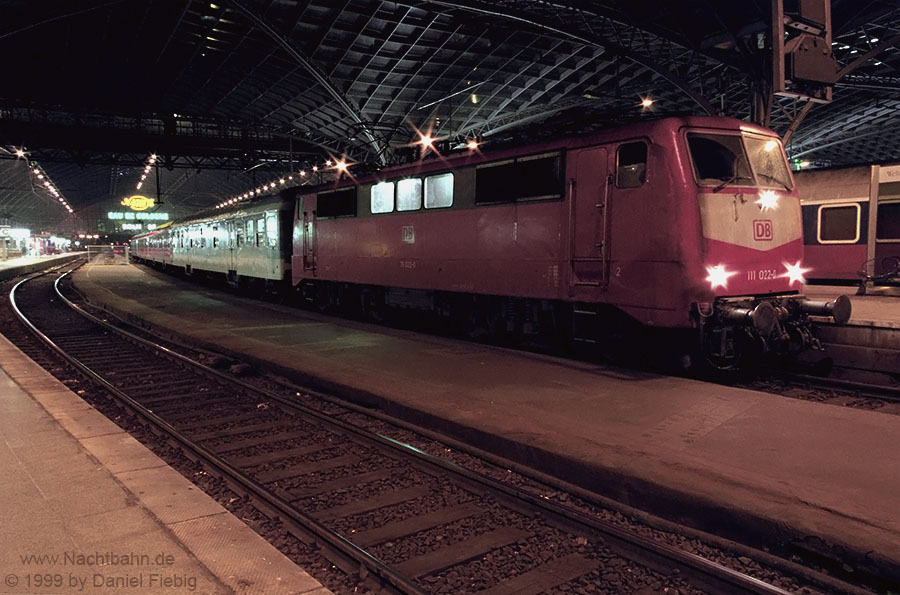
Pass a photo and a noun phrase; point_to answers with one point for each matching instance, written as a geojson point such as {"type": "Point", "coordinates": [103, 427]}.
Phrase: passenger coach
{"type": "Point", "coordinates": [845, 239]}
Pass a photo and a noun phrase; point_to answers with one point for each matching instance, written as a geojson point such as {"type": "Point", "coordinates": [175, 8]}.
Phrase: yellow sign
{"type": "Point", "coordinates": [138, 202]}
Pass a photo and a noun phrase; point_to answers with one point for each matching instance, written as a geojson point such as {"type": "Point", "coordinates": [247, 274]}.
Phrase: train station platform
{"type": "Point", "coordinates": [88, 509]}
{"type": "Point", "coordinates": [29, 264]}
{"type": "Point", "coordinates": [734, 462]}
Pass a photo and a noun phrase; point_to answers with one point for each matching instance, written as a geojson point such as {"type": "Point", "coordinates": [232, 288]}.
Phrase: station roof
{"type": "Point", "coordinates": [232, 94]}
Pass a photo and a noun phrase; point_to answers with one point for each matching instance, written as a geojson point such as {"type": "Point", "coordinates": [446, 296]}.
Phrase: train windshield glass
{"type": "Point", "coordinates": [719, 160]}
{"type": "Point", "coordinates": [768, 162]}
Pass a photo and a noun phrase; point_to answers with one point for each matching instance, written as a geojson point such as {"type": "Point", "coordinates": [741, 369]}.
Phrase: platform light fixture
{"type": "Point", "coordinates": [646, 102]}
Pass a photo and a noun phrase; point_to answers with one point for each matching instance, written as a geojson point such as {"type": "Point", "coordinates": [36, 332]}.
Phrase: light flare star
{"type": "Point", "coordinates": [718, 276]}
{"type": "Point", "coordinates": [767, 200]}
{"type": "Point", "coordinates": [795, 273]}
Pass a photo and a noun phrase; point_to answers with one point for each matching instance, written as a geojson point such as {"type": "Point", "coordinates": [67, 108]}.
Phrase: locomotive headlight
{"type": "Point", "coordinates": [795, 273]}
{"type": "Point", "coordinates": [767, 200]}
{"type": "Point", "coordinates": [718, 276]}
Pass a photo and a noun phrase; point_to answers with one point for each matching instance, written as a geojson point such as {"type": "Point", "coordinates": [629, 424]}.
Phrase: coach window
{"type": "Point", "coordinates": [838, 224]}
{"type": "Point", "coordinates": [251, 231]}
{"type": "Point", "coordinates": [238, 234]}
{"type": "Point", "coordinates": [215, 236]}
{"type": "Point", "coordinates": [439, 191]}
{"type": "Point", "coordinates": [382, 197]}
{"type": "Point", "coordinates": [271, 230]}
{"type": "Point", "coordinates": [261, 231]}
{"type": "Point", "coordinates": [409, 194]}
{"type": "Point", "coordinates": [888, 227]}
{"type": "Point", "coordinates": [631, 165]}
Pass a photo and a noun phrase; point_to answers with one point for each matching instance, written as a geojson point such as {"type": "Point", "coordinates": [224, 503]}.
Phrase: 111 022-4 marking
{"type": "Point", "coordinates": [762, 275]}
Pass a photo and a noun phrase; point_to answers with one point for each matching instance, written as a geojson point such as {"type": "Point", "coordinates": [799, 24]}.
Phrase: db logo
{"type": "Point", "coordinates": [762, 230]}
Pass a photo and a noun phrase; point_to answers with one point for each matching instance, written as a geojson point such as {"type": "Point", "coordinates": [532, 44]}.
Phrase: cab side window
{"type": "Point", "coordinates": [631, 165]}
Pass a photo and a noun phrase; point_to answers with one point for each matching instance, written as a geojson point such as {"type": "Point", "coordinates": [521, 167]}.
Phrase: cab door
{"type": "Point", "coordinates": [308, 217]}
{"type": "Point", "coordinates": [588, 194]}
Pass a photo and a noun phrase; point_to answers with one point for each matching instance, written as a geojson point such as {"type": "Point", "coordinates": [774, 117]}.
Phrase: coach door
{"type": "Point", "coordinates": [229, 239]}
{"type": "Point", "coordinates": [308, 215]}
{"type": "Point", "coordinates": [588, 193]}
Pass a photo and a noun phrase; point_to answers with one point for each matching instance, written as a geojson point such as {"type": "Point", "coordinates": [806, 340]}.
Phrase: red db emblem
{"type": "Point", "coordinates": [762, 230]}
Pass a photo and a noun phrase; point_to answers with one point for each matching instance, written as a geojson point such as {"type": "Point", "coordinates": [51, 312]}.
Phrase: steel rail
{"type": "Point", "coordinates": [661, 557]}
{"type": "Point", "coordinates": [235, 478]}
{"type": "Point", "coordinates": [873, 391]}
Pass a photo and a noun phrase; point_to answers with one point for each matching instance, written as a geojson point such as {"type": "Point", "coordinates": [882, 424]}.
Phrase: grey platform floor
{"type": "Point", "coordinates": [88, 509]}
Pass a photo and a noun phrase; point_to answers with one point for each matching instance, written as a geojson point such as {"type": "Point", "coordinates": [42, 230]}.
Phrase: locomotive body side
{"type": "Point", "coordinates": [502, 248]}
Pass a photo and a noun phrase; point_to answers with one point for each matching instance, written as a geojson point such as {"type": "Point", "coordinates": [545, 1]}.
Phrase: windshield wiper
{"type": "Point", "coordinates": [725, 183]}
{"type": "Point", "coordinates": [774, 179]}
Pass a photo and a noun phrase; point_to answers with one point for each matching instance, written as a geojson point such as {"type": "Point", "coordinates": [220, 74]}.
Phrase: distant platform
{"type": "Point", "coordinates": [28, 264]}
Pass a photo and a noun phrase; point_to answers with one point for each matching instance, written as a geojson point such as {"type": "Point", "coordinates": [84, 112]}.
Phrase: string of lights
{"type": "Point", "coordinates": [151, 160]}
{"type": "Point", "coordinates": [40, 179]}
{"type": "Point", "coordinates": [340, 166]}
{"type": "Point", "coordinates": [44, 180]}
{"type": "Point", "coordinates": [302, 175]}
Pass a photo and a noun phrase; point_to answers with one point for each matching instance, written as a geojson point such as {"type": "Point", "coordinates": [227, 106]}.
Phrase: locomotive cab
{"type": "Point", "coordinates": [748, 270]}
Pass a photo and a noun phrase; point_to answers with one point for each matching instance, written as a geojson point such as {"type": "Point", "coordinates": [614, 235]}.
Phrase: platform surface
{"type": "Point", "coordinates": [26, 264]}
{"type": "Point", "coordinates": [88, 509]}
{"type": "Point", "coordinates": [722, 454]}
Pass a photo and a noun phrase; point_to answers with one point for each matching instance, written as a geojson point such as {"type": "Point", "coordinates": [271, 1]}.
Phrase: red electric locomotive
{"type": "Point", "coordinates": [684, 224]}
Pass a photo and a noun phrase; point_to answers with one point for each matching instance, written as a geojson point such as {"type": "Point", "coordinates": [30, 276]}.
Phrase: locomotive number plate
{"type": "Point", "coordinates": [762, 275]}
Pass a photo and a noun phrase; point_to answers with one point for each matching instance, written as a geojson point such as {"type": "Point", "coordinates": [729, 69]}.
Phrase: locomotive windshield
{"type": "Point", "coordinates": [768, 162]}
{"type": "Point", "coordinates": [725, 159]}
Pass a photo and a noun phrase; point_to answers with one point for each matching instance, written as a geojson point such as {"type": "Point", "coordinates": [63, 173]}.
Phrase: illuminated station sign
{"type": "Point", "coordinates": [138, 202]}
{"type": "Point", "coordinates": [130, 216]}
{"type": "Point", "coordinates": [138, 218]}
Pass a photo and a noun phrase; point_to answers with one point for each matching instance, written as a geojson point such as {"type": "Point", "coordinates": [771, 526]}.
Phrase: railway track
{"type": "Point", "coordinates": [414, 523]}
